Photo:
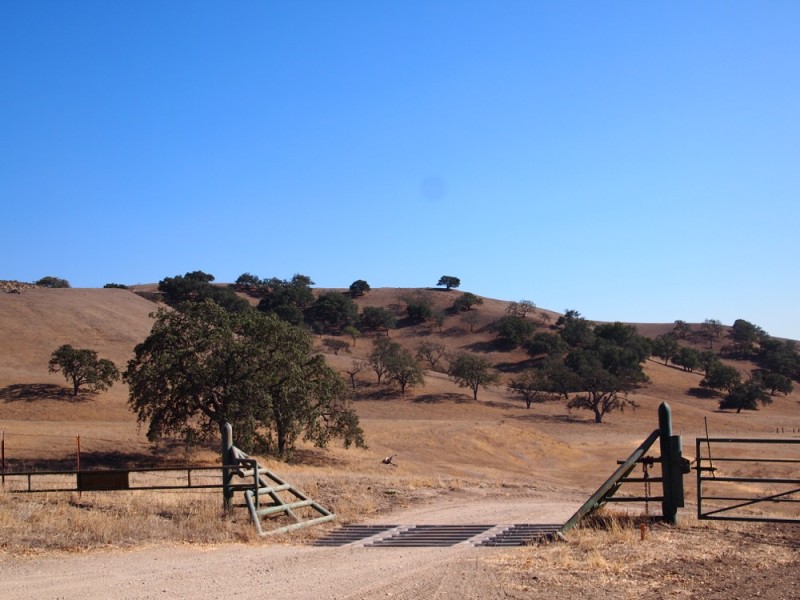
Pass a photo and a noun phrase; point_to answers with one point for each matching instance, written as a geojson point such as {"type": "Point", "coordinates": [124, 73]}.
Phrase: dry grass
{"type": "Point", "coordinates": [444, 440]}
{"type": "Point", "coordinates": [611, 557]}
{"type": "Point", "coordinates": [72, 522]}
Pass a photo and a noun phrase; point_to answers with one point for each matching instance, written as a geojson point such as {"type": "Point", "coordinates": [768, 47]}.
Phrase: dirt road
{"type": "Point", "coordinates": [288, 571]}
{"type": "Point", "coordinates": [693, 561]}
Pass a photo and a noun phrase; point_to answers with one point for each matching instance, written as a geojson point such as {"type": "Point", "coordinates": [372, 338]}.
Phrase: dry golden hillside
{"type": "Point", "coordinates": [436, 430]}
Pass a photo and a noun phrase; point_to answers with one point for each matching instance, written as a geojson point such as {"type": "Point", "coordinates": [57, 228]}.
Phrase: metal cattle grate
{"type": "Point", "coordinates": [523, 535]}
{"type": "Point", "coordinates": [438, 536]}
{"type": "Point", "coordinates": [350, 534]}
{"type": "Point", "coordinates": [431, 536]}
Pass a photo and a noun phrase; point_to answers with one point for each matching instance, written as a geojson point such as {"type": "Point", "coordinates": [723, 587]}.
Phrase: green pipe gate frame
{"type": "Point", "coordinates": [673, 468]}
{"type": "Point", "coordinates": [722, 509]}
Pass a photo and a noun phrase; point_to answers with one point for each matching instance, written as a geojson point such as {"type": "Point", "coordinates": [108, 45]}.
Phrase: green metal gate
{"type": "Point", "coordinates": [748, 479]}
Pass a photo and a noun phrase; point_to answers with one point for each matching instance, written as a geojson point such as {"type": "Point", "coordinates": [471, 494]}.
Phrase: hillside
{"type": "Point", "coordinates": [437, 431]}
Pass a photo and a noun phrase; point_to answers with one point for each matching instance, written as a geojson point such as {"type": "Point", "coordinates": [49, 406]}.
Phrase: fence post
{"type": "Point", "coordinates": [226, 432]}
{"type": "Point", "coordinates": [671, 471]}
{"type": "Point", "coordinates": [3, 455]}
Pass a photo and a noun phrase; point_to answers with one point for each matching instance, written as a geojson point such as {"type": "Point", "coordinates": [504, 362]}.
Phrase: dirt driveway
{"type": "Point", "coordinates": [688, 562]}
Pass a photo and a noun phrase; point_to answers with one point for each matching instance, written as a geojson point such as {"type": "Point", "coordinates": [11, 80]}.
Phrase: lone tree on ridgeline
{"type": "Point", "coordinates": [358, 288]}
{"type": "Point", "coordinates": [81, 367]}
{"type": "Point", "coordinates": [202, 366]}
{"type": "Point", "coordinates": [449, 282]}
{"type": "Point", "coordinates": [52, 282]}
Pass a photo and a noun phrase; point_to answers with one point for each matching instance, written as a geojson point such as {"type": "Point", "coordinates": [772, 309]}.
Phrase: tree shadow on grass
{"type": "Point", "coordinates": [703, 393]}
{"type": "Point", "coordinates": [30, 392]}
{"type": "Point", "coordinates": [505, 405]}
{"type": "Point", "coordinates": [376, 392]}
{"type": "Point", "coordinates": [515, 367]}
{"type": "Point", "coordinates": [538, 418]}
{"type": "Point", "coordinates": [490, 346]}
{"type": "Point", "coordinates": [314, 458]}
{"type": "Point", "coordinates": [439, 398]}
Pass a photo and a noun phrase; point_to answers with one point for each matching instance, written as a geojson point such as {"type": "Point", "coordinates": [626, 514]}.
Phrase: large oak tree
{"type": "Point", "coordinates": [202, 366]}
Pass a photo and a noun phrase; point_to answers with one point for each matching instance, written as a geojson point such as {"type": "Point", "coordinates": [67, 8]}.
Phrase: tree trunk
{"type": "Point", "coordinates": [280, 433]}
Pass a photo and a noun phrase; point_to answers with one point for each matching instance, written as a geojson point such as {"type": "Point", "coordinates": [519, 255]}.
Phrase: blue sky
{"type": "Point", "coordinates": [636, 161]}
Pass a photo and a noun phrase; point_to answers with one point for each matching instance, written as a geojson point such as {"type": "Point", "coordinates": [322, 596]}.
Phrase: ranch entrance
{"type": "Point", "coordinates": [737, 479]}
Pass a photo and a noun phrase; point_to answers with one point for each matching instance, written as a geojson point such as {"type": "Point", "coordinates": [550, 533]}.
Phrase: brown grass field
{"type": "Point", "coordinates": [451, 451]}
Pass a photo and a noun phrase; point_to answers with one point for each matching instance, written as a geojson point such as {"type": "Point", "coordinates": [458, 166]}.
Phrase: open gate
{"type": "Point", "coordinates": [746, 479]}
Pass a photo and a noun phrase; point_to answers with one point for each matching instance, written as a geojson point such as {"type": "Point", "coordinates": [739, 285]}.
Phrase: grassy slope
{"type": "Point", "coordinates": [438, 431]}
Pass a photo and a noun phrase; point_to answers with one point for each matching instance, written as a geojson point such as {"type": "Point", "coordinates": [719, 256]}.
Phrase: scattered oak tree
{"type": "Point", "coordinates": [775, 382]}
{"type": "Point", "coordinates": [431, 352]}
{"type": "Point", "coordinates": [665, 346]}
{"type": "Point", "coordinates": [202, 366]}
{"type": "Point", "coordinates": [383, 350]}
{"type": "Point", "coordinates": [604, 372]}
{"type": "Point", "coordinates": [378, 318]}
{"type": "Point", "coordinates": [574, 329]}
{"type": "Point", "coordinates": [721, 377]}
{"type": "Point", "coordinates": [355, 369]}
{"type": "Point", "coordinates": [682, 329]}
{"type": "Point", "coordinates": [687, 358]}
{"type": "Point", "coordinates": [547, 344]}
{"type": "Point", "coordinates": [332, 311]}
{"type": "Point", "coordinates": [521, 309]}
{"type": "Point", "coordinates": [336, 345]}
{"type": "Point", "coordinates": [746, 336]}
{"type": "Point", "coordinates": [711, 329]}
{"type": "Point", "coordinates": [466, 301]}
{"type": "Point", "coordinates": [746, 396]}
{"type": "Point", "coordinates": [472, 371]}
{"type": "Point", "coordinates": [196, 286]}
{"type": "Point", "coordinates": [531, 386]}
{"type": "Point", "coordinates": [353, 332]}
{"type": "Point", "coordinates": [471, 319]}
{"type": "Point", "coordinates": [288, 299]}
{"type": "Point", "coordinates": [81, 367]}
{"type": "Point", "coordinates": [404, 370]}
{"type": "Point", "coordinates": [247, 282]}
{"type": "Point", "coordinates": [419, 312]}
{"type": "Point", "coordinates": [601, 389]}
{"type": "Point", "coordinates": [514, 331]}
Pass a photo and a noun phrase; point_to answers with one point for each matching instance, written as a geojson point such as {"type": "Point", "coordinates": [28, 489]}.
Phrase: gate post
{"type": "Point", "coordinates": [226, 433]}
{"type": "Point", "coordinates": [671, 465]}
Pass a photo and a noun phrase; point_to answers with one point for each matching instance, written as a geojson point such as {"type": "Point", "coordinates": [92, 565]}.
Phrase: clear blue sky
{"type": "Point", "coordinates": [636, 161]}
